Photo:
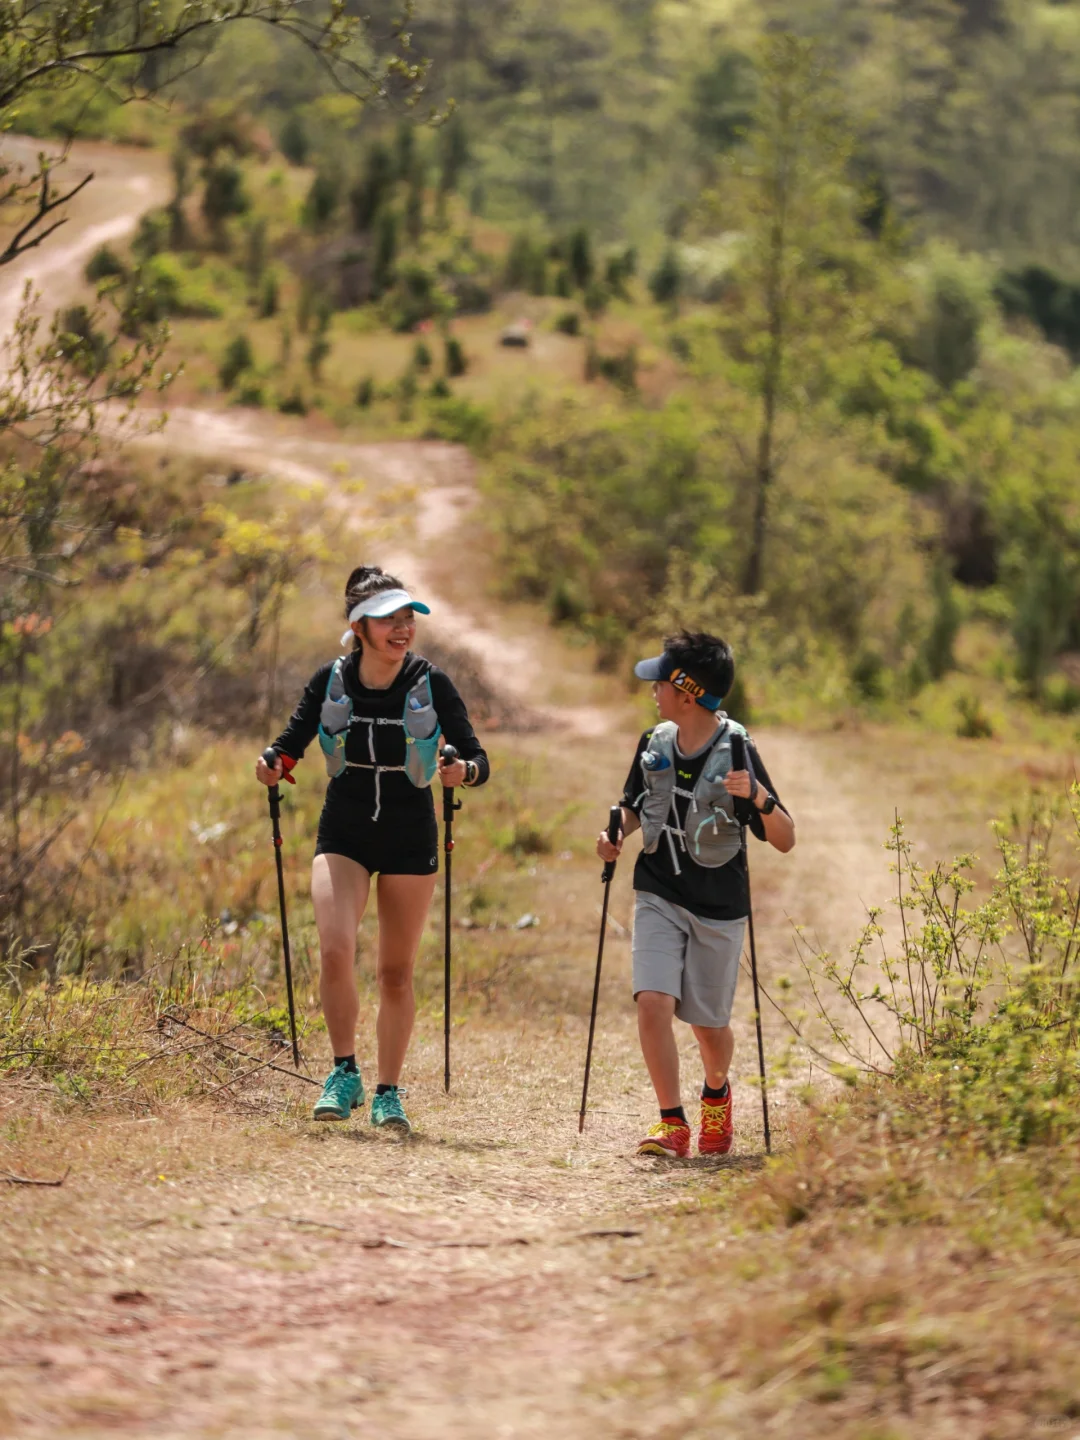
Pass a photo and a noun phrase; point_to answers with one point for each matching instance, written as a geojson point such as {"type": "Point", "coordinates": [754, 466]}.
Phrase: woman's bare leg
{"type": "Point", "coordinates": [339, 889]}
{"type": "Point", "coordinates": [404, 902]}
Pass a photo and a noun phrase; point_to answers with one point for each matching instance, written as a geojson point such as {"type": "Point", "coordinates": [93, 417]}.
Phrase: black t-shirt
{"type": "Point", "coordinates": [404, 808]}
{"type": "Point", "coordinates": [714, 894]}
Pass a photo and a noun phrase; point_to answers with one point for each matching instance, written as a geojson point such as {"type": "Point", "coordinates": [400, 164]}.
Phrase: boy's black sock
{"type": "Point", "coordinates": [349, 1061]}
{"type": "Point", "coordinates": [676, 1113]}
{"type": "Point", "coordinates": [708, 1093]}
{"type": "Point", "coordinates": [382, 1089]}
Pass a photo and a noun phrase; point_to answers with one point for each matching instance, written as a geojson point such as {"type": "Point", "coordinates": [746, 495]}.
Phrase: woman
{"type": "Point", "coordinates": [379, 714]}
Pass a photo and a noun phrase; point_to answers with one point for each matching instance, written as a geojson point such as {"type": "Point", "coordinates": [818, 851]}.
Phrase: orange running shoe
{"type": "Point", "coordinates": [717, 1132]}
{"type": "Point", "coordinates": [669, 1138]}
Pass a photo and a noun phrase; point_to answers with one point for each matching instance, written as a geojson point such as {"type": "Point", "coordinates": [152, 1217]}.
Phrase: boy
{"type": "Point", "coordinates": [690, 879]}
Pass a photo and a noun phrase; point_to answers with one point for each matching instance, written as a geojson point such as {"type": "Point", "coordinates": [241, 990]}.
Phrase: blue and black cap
{"type": "Point", "coordinates": [666, 667]}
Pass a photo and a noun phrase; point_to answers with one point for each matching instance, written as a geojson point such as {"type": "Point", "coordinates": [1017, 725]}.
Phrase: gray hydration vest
{"type": "Point", "coordinates": [711, 836]}
{"type": "Point", "coordinates": [418, 720]}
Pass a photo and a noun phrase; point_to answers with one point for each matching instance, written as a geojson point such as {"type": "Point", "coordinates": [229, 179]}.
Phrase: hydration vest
{"type": "Point", "coordinates": [418, 720]}
{"type": "Point", "coordinates": [711, 835]}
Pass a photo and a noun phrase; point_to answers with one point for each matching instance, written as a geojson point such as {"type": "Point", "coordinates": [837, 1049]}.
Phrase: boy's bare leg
{"type": "Point", "coordinates": [717, 1046]}
{"type": "Point", "coordinates": [655, 1013]}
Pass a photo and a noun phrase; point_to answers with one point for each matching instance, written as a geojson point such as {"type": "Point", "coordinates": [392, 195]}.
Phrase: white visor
{"type": "Point", "coordinates": [381, 604]}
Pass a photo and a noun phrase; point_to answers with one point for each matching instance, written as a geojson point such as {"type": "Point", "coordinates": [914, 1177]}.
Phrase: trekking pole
{"type": "Point", "coordinates": [739, 762]}
{"type": "Point", "coordinates": [449, 805]}
{"type": "Point", "coordinates": [270, 757]}
{"type": "Point", "coordinates": [614, 826]}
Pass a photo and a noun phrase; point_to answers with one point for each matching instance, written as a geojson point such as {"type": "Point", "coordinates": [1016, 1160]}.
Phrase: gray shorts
{"type": "Point", "coordinates": [695, 960]}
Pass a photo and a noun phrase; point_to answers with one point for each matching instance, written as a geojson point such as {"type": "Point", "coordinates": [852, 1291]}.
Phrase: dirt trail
{"type": "Point", "coordinates": [203, 1275]}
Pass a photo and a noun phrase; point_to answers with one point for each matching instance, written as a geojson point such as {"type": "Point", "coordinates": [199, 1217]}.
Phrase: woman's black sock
{"type": "Point", "coordinates": [675, 1113]}
{"type": "Point", "coordinates": [708, 1093]}
{"type": "Point", "coordinates": [349, 1061]}
{"type": "Point", "coordinates": [382, 1089]}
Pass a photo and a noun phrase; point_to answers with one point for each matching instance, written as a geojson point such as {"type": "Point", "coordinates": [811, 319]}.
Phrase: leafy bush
{"type": "Point", "coordinates": [665, 282]}
{"type": "Point", "coordinates": [365, 392]}
{"type": "Point", "coordinates": [293, 140]}
{"type": "Point", "coordinates": [168, 287]}
{"type": "Point", "coordinates": [322, 200]}
{"type": "Point", "coordinates": [974, 723]}
{"type": "Point", "coordinates": [459, 420]}
{"type": "Point", "coordinates": [568, 323]}
{"type": "Point", "coordinates": [293, 403]}
{"type": "Point", "coordinates": [238, 357]}
{"type": "Point", "coordinates": [979, 1010]}
{"type": "Point", "coordinates": [456, 362]}
{"type": "Point", "coordinates": [104, 264]}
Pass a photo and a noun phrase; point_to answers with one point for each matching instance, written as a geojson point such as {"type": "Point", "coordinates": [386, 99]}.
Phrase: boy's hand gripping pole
{"type": "Point", "coordinates": [449, 805]}
{"type": "Point", "coordinates": [739, 762]}
{"type": "Point", "coordinates": [614, 826]}
{"type": "Point", "coordinates": [270, 757]}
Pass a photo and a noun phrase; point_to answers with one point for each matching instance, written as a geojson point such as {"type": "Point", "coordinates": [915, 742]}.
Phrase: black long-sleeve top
{"type": "Point", "coordinates": [350, 797]}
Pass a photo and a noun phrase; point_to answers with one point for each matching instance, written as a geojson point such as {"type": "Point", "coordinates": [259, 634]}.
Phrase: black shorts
{"type": "Point", "coordinates": [380, 854]}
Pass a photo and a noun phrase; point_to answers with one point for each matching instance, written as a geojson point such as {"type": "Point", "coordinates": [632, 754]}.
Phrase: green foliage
{"type": "Point", "coordinates": [293, 403]}
{"type": "Point", "coordinates": [579, 257]}
{"type": "Point", "coordinates": [293, 140]}
{"type": "Point", "coordinates": [365, 393]}
{"type": "Point", "coordinates": [165, 286]}
{"type": "Point", "coordinates": [955, 305]}
{"type": "Point", "coordinates": [722, 102]}
{"type": "Point", "coordinates": [371, 193]}
{"type": "Point", "coordinates": [238, 357]}
{"type": "Point", "coordinates": [1050, 302]}
{"type": "Point", "coordinates": [526, 264]}
{"type": "Point", "coordinates": [665, 282]}
{"type": "Point", "coordinates": [458, 420]}
{"type": "Point", "coordinates": [223, 195]}
{"type": "Point", "coordinates": [939, 647]}
{"type": "Point", "coordinates": [455, 360]}
{"type": "Point", "coordinates": [104, 264]}
{"type": "Point", "coordinates": [568, 322]}
{"type": "Point", "coordinates": [979, 1010]}
{"type": "Point", "coordinates": [421, 356]}
{"type": "Point", "coordinates": [269, 295]}
{"type": "Point", "coordinates": [1045, 609]}
{"type": "Point", "coordinates": [323, 198]}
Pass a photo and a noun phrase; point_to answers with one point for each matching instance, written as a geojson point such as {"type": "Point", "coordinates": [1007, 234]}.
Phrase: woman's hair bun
{"type": "Point", "coordinates": [362, 576]}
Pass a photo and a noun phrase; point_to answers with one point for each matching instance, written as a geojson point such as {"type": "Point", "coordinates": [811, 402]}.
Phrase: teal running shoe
{"type": "Point", "coordinates": [342, 1093]}
{"type": "Point", "coordinates": [387, 1110]}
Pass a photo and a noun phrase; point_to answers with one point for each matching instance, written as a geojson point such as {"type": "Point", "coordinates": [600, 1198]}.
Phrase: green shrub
{"type": "Point", "coordinates": [456, 362]}
{"type": "Point", "coordinates": [250, 393]}
{"type": "Point", "coordinates": [421, 356]}
{"type": "Point", "coordinates": [293, 140]}
{"type": "Point", "coordinates": [452, 418]}
{"type": "Point", "coordinates": [568, 323]}
{"type": "Point", "coordinates": [440, 389]}
{"type": "Point", "coordinates": [293, 403]}
{"type": "Point", "coordinates": [152, 234]}
{"type": "Point", "coordinates": [104, 264]}
{"type": "Point", "coordinates": [868, 675]}
{"type": "Point", "coordinates": [322, 200]}
{"type": "Point", "coordinates": [1060, 695]}
{"type": "Point", "coordinates": [238, 357]}
{"type": "Point", "coordinates": [665, 283]}
{"type": "Point", "coordinates": [365, 392]}
{"type": "Point", "coordinates": [171, 288]}
{"type": "Point", "coordinates": [269, 296]}
{"type": "Point", "coordinates": [975, 1010]}
{"type": "Point", "coordinates": [579, 258]}
{"type": "Point", "coordinates": [974, 723]}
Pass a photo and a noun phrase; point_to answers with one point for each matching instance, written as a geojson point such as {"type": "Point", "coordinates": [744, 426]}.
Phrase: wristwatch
{"type": "Point", "coordinates": [770, 801]}
{"type": "Point", "coordinates": [472, 772]}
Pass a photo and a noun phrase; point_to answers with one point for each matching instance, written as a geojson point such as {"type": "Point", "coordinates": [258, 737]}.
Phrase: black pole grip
{"type": "Point", "coordinates": [738, 752]}
{"type": "Point", "coordinates": [613, 829]}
